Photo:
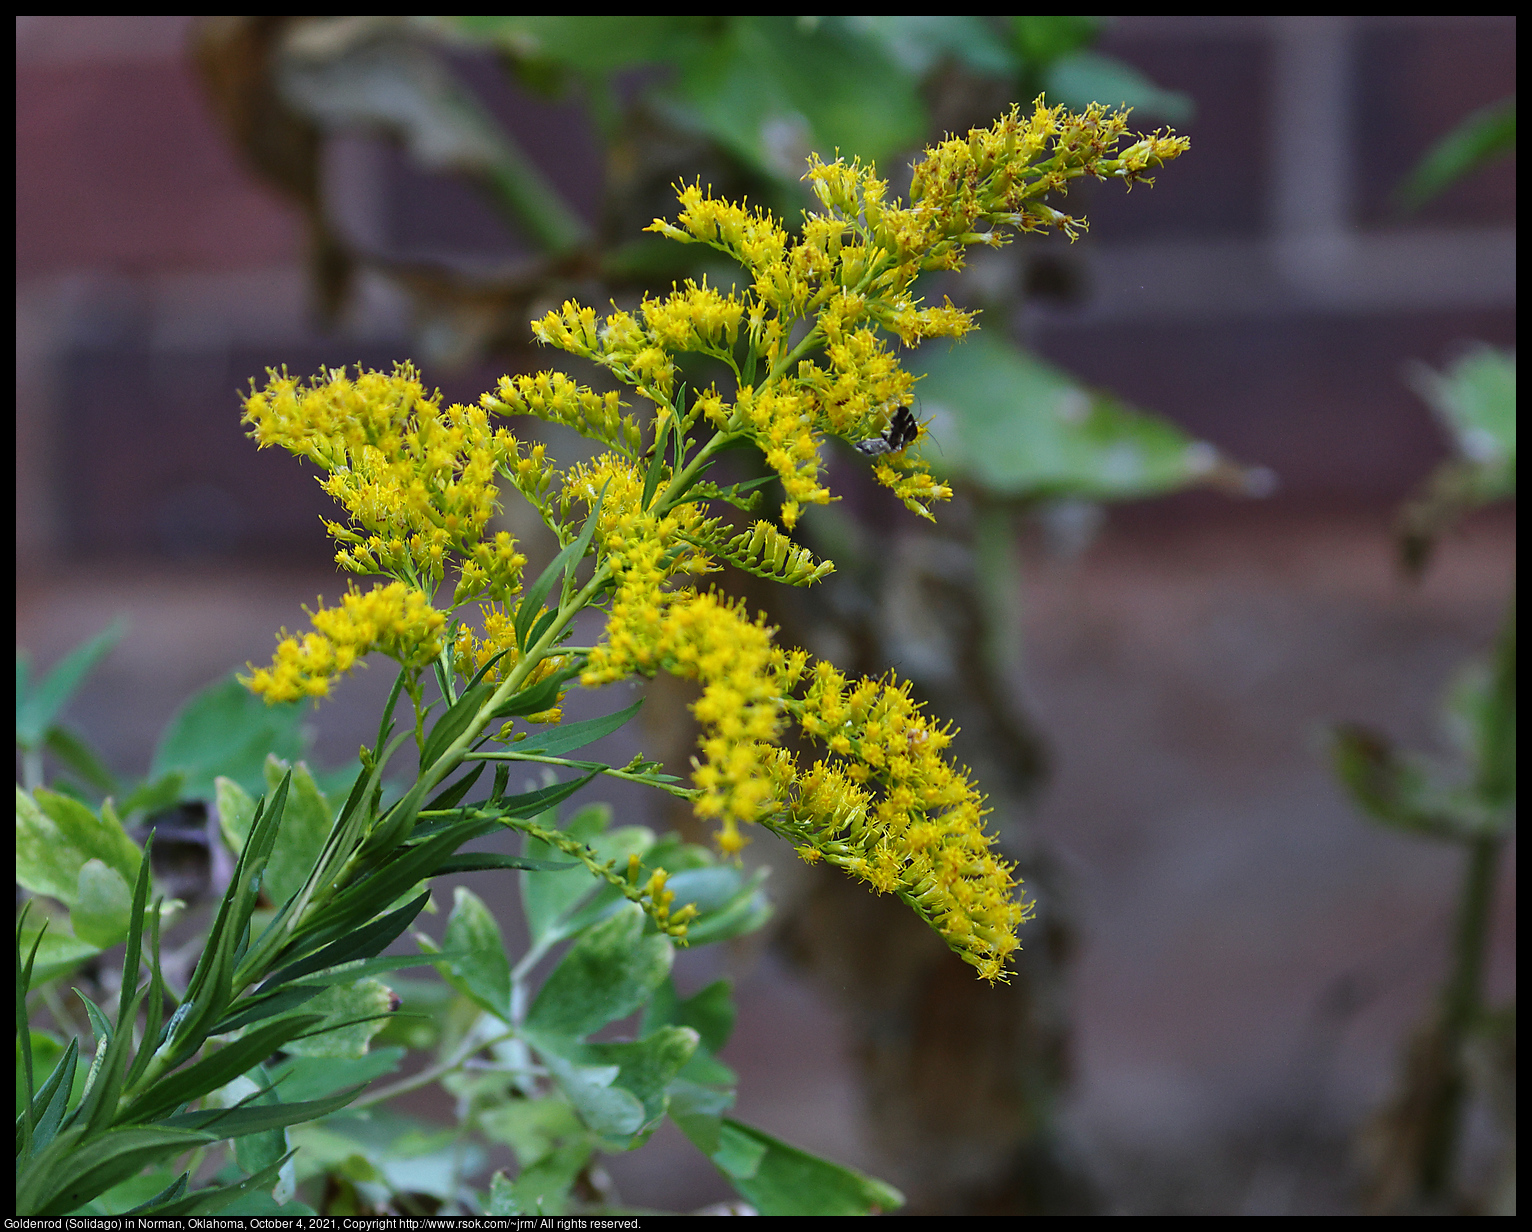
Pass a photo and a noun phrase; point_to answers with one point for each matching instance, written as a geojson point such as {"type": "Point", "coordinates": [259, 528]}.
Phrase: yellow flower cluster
{"type": "Point", "coordinates": [471, 653]}
{"type": "Point", "coordinates": [416, 480]}
{"type": "Point", "coordinates": [395, 619]}
{"type": "Point", "coordinates": [922, 835]}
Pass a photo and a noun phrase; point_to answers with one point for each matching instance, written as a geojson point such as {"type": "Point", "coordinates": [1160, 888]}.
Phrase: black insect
{"type": "Point", "coordinates": [900, 433]}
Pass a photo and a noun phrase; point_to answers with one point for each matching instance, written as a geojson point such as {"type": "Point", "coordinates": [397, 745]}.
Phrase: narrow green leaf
{"type": "Point", "coordinates": [79, 757]}
{"type": "Point", "coordinates": [450, 797]}
{"type": "Point", "coordinates": [214, 1071]}
{"type": "Point", "coordinates": [257, 1009]}
{"type": "Point", "coordinates": [42, 705]}
{"type": "Point", "coordinates": [74, 1170]}
{"type": "Point", "coordinates": [482, 861]}
{"type": "Point", "coordinates": [543, 695]}
{"type": "Point", "coordinates": [567, 737]}
{"type": "Point", "coordinates": [236, 1122]}
{"type": "Point", "coordinates": [53, 1097]}
{"type": "Point", "coordinates": [363, 942]}
{"type": "Point", "coordinates": [211, 1201]}
{"type": "Point", "coordinates": [573, 553]}
{"type": "Point", "coordinates": [1485, 135]}
{"type": "Point", "coordinates": [657, 461]}
{"type": "Point", "coordinates": [455, 722]}
{"type": "Point", "coordinates": [306, 823]}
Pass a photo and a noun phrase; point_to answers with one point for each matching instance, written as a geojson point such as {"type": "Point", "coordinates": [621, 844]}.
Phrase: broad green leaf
{"type": "Point", "coordinates": [710, 1012]}
{"type": "Point", "coordinates": [532, 1128]}
{"type": "Point", "coordinates": [646, 1066]}
{"type": "Point", "coordinates": [543, 1189]}
{"type": "Point", "coordinates": [1018, 427]}
{"type": "Point", "coordinates": [309, 1078]}
{"type": "Point", "coordinates": [778, 1179]}
{"type": "Point", "coordinates": [1042, 40]}
{"type": "Point", "coordinates": [388, 82]}
{"type": "Point", "coordinates": [610, 845]}
{"type": "Point", "coordinates": [608, 1109]}
{"type": "Point", "coordinates": [595, 45]}
{"type": "Point", "coordinates": [503, 1199]}
{"type": "Point", "coordinates": [608, 973]}
{"type": "Point", "coordinates": [772, 88]}
{"type": "Point", "coordinates": [131, 1193]}
{"type": "Point", "coordinates": [226, 730]}
{"type": "Point", "coordinates": [482, 973]}
{"type": "Point", "coordinates": [305, 827]}
{"type": "Point", "coordinates": [103, 906]}
{"type": "Point", "coordinates": [1475, 398]}
{"type": "Point", "coordinates": [546, 896]}
{"type": "Point", "coordinates": [39, 706]}
{"type": "Point", "coordinates": [236, 812]}
{"type": "Point", "coordinates": [340, 1034]}
{"type": "Point", "coordinates": [57, 834]}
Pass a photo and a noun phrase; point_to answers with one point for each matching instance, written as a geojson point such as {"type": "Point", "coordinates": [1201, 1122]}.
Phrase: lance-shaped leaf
{"type": "Point", "coordinates": [606, 975]}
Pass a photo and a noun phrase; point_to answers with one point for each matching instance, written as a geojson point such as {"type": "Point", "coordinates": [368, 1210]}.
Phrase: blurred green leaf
{"type": "Point", "coordinates": [1018, 427]}
{"type": "Point", "coordinates": [56, 835]}
{"type": "Point", "coordinates": [37, 707]}
{"type": "Point", "coordinates": [371, 73]}
{"type": "Point", "coordinates": [1484, 136]}
{"type": "Point", "coordinates": [103, 906]}
{"type": "Point", "coordinates": [1086, 77]}
{"type": "Point", "coordinates": [772, 88]}
{"type": "Point", "coordinates": [1406, 794]}
{"type": "Point", "coordinates": [1042, 40]}
{"type": "Point", "coordinates": [226, 730]}
{"type": "Point", "coordinates": [608, 1109]}
{"type": "Point", "coordinates": [646, 1066]}
{"type": "Point", "coordinates": [919, 43]}
{"type": "Point", "coordinates": [1475, 399]}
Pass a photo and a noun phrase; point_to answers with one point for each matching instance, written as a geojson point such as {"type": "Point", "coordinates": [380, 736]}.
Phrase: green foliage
{"type": "Point", "coordinates": [287, 1015]}
{"type": "Point", "coordinates": [1017, 427]}
{"type": "Point", "coordinates": [1486, 135]}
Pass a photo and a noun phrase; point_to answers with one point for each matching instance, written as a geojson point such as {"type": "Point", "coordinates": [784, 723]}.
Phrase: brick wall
{"type": "Point", "coordinates": [1262, 294]}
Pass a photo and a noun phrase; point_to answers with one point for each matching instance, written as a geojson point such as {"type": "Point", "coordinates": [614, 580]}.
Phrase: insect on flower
{"type": "Point", "coordinates": [900, 433]}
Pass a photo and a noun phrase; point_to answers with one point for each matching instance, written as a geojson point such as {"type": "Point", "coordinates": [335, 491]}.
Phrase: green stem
{"type": "Point", "coordinates": [511, 755]}
{"type": "Point", "coordinates": [431, 1073]}
{"type": "Point", "coordinates": [1461, 1008]}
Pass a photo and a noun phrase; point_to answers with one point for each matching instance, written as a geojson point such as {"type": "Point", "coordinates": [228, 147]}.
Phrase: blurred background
{"type": "Point", "coordinates": [1229, 960]}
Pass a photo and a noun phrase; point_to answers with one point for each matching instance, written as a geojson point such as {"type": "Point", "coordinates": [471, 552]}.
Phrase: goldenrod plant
{"type": "Point", "coordinates": [850, 772]}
